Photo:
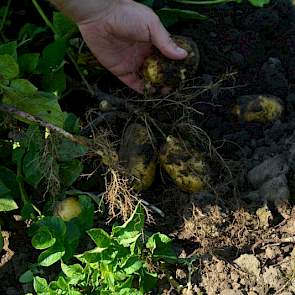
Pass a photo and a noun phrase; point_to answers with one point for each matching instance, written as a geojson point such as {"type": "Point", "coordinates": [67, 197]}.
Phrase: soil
{"type": "Point", "coordinates": [241, 231]}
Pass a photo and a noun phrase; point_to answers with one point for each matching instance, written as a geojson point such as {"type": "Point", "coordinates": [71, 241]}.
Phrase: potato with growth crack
{"type": "Point", "coordinates": [258, 108]}
{"type": "Point", "coordinates": [184, 165]}
{"type": "Point", "coordinates": [161, 72]}
{"type": "Point", "coordinates": [68, 209]}
{"type": "Point", "coordinates": [138, 156]}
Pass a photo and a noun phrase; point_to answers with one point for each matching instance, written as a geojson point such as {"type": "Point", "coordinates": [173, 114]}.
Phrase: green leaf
{"type": "Point", "coordinates": [27, 211]}
{"type": "Point", "coordinates": [130, 291]}
{"type": "Point", "coordinates": [52, 56]}
{"type": "Point", "coordinates": [126, 284]}
{"type": "Point", "coordinates": [26, 277]}
{"type": "Point", "coordinates": [42, 105]}
{"type": "Point", "coordinates": [29, 31]}
{"type": "Point", "coordinates": [28, 63]}
{"type": "Point", "coordinates": [43, 239]}
{"type": "Point", "coordinates": [5, 150]}
{"type": "Point", "coordinates": [7, 204]}
{"type": "Point", "coordinates": [85, 219]}
{"type": "Point", "coordinates": [40, 285]}
{"type": "Point", "coordinates": [51, 255]}
{"type": "Point", "coordinates": [55, 224]}
{"type": "Point", "coordinates": [54, 81]}
{"type": "Point", "coordinates": [71, 239]}
{"type": "Point", "coordinates": [32, 169]}
{"type": "Point", "coordinates": [67, 150]}
{"type": "Point", "coordinates": [161, 247]}
{"type": "Point", "coordinates": [132, 265]}
{"type": "Point", "coordinates": [63, 25]}
{"type": "Point", "coordinates": [259, 3]}
{"type": "Point", "coordinates": [74, 272]}
{"type": "Point", "coordinates": [170, 16]}
{"type": "Point", "coordinates": [74, 292]}
{"type": "Point", "coordinates": [8, 67]}
{"type": "Point", "coordinates": [33, 140]}
{"type": "Point", "coordinates": [147, 280]}
{"type": "Point", "coordinates": [131, 230]}
{"type": "Point", "coordinates": [4, 190]}
{"type": "Point", "coordinates": [8, 178]}
{"type": "Point", "coordinates": [60, 284]}
{"type": "Point", "coordinates": [72, 123]}
{"type": "Point", "coordinates": [91, 256]}
{"type": "Point", "coordinates": [70, 171]}
{"type": "Point", "coordinates": [23, 86]}
{"type": "Point", "coordinates": [100, 237]}
{"type": "Point", "coordinates": [9, 48]}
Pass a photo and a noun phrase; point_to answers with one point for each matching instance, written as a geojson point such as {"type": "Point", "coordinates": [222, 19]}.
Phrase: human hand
{"type": "Point", "coordinates": [121, 33]}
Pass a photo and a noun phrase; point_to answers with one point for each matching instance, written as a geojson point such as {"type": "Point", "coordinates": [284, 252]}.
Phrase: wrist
{"type": "Point", "coordinates": [85, 11]}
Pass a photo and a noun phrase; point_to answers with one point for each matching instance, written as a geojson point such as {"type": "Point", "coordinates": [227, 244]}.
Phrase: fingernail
{"type": "Point", "coordinates": [181, 51]}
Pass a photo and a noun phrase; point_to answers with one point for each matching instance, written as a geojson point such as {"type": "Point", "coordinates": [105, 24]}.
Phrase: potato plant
{"type": "Point", "coordinates": [118, 263]}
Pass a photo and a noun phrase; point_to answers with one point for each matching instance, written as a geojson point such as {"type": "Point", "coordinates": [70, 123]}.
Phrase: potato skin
{"type": "Point", "coordinates": [185, 166]}
{"type": "Point", "coordinates": [161, 71]}
{"type": "Point", "coordinates": [258, 108]}
{"type": "Point", "coordinates": [68, 209]}
{"type": "Point", "coordinates": [138, 156]}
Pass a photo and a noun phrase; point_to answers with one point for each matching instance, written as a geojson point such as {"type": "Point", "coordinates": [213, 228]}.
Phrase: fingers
{"type": "Point", "coordinates": [161, 39]}
{"type": "Point", "coordinates": [133, 81]}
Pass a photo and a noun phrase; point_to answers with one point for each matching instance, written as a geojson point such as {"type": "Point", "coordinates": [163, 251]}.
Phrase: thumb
{"type": "Point", "coordinates": [161, 39]}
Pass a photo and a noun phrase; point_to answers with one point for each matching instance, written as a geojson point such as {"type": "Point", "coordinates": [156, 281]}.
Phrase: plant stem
{"type": "Point", "coordinates": [14, 111]}
{"type": "Point", "coordinates": [44, 17]}
{"type": "Point", "coordinates": [5, 15]}
{"type": "Point", "coordinates": [89, 88]}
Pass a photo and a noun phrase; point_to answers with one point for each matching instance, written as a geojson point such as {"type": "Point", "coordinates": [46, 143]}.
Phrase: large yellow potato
{"type": "Point", "coordinates": [184, 165]}
{"type": "Point", "coordinates": [138, 156]}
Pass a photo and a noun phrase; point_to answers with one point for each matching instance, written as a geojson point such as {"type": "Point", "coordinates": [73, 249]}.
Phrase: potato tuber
{"type": "Point", "coordinates": [162, 72]}
{"type": "Point", "coordinates": [138, 156]}
{"type": "Point", "coordinates": [258, 108]}
{"type": "Point", "coordinates": [184, 165]}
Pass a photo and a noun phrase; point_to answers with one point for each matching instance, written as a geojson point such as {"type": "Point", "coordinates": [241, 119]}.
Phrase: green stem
{"type": "Point", "coordinates": [89, 88]}
{"type": "Point", "coordinates": [5, 15]}
{"type": "Point", "coordinates": [44, 17]}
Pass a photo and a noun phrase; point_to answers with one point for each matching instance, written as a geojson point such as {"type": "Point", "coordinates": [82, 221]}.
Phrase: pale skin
{"type": "Point", "coordinates": [121, 34]}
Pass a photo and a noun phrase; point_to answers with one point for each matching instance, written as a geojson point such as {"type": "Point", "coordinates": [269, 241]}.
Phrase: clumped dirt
{"type": "Point", "coordinates": [240, 234]}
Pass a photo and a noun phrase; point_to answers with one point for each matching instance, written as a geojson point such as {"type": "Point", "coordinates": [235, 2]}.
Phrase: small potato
{"type": "Point", "coordinates": [184, 165]}
{"type": "Point", "coordinates": [68, 209]}
{"type": "Point", "coordinates": [258, 108]}
{"type": "Point", "coordinates": [162, 72]}
{"type": "Point", "coordinates": [138, 156]}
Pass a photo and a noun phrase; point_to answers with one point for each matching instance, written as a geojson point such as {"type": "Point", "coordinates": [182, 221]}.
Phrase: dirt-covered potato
{"type": "Point", "coordinates": [160, 71]}
{"type": "Point", "coordinates": [184, 165]}
{"type": "Point", "coordinates": [258, 108]}
{"type": "Point", "coordinates": [68, 209]}
{"type": "Point", "coordinates": [138, 156]}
